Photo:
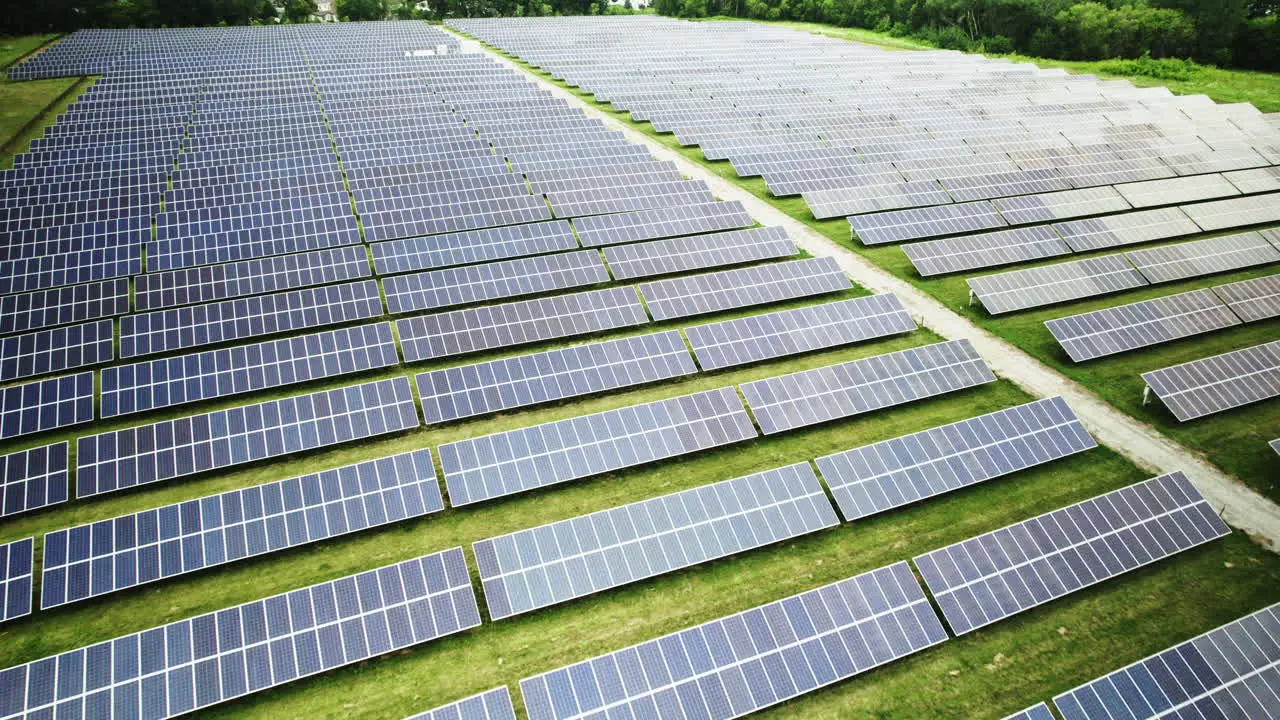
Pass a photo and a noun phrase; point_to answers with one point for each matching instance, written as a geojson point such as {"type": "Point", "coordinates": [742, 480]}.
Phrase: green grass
{"type": "Point", "coordinates": [26, 106]}
{"type": "Point", "coordinates": [14, 48]}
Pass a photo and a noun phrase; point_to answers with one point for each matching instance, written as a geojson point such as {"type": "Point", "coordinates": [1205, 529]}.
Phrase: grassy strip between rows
{"type": "Point", "coordinates": [1235, 441]}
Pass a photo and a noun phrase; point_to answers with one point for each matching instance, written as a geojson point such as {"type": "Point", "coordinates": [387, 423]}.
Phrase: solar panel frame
{"type": "Point", "coordinates": [992, 576]}
{"type": "Point", "coordinates": [110, 555]}
{"type": "Point", "coordinates": [735, 665]}
{"type": "Point", "coordinates": [1252, 300]}
{"type": "Point", "coordinates": [33, 478]}
{"type": "Point", "coordinates": [730, 289]}
{"type": "Point", "coordinates": [56, 349]}
{"type": "Point", "coordinates": [491, 466]}
{"type": "Point", "coordinates": [907, 469]}
{"type": "Point", "coordinates": [1218, 383]}
{"type": "Point", "coordinates": [809, 397]}
{"type": "Point", "coordinates": [1101, 333]}
{"type": "Point", "coordinates": [16, 561]}
{"type": "Point", "coordinates": [492, 704]}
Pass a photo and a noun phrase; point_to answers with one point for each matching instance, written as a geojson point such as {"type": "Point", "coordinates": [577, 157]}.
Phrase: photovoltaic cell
{"type": "Point", "coordinates": [492, 704]}
{"type": "Point", "coordinates": [1024, 289]}
{"type": "Point", "coordinates": [918, 223]}
{"type": "Point", "coordinates": [524, 380]}
{"type": "Point", "coordinates": [518, 323]}
{"type": "Point", "coordinates": [166, 382]}
{"type": "Point", "coordinates": [190, 664]}
{"type": "Point", "coordinates": [1065, 205]}
{"type": "Point", "coordinates": [46, 404]}
{"type": "Point", "coordinates": [892, 473]}
{"type": "Point", "coordinates": [49, 351]}
{"type": "Point", "coordinates": [969, 252]}
{"type": "Point", "coordinates": [168, 449]}
{"type": "Point", "coordinates": [813, 396]}
{"type": "Point", "coordinates": [1214, 384]}
{"type": "Point", "coordinates": [1127, 327]}
{"type": "Point", "coordinates": [251, 277]}
{"type": "Point", "coordinates": [1228, 672]}
{"type": "Point", "coordinates": [1203, 257]}
{"type": "Point", "coordinates": [1235, 212]}
{"type": "Point", "coordinates": [990, 577]}
{"type": "Point", "coordinates": [1171, 191]}
{"type": "Point", "coordinates": [181, 328]}
{"type": "Point", "coordinates": [1252, 300]}
{"type": "Point", "coordinates": [754, 659]}
{"type": "Point", "coordinates": [1035, 712]}
{"type": "Point", "coordinates": [1126, 229]}
{"type": "Point", "coordinates": [665, 222]}
{"type": "Point", "coordinates": [16, 560]}
{"type": "Point", "coordinates": [33, 478]}
{"type": "Point", "coordinates": [492, 281]}
{"type": "Point", "coordinates": [63, 306]}
{"type": "Point", "coordinates": [698, 252]}
{"type": "Point", "coordinates": [109, 555]}
{"type": "Point", "coordinates": [729, 289]}
{"type": "Point", "coordinates": [510, 462]}
{"type": "Point", "coordinates": [789, 332]}
{"type": "Point", "coordinates": [560, 561]}
{"type": "Point", "coordinates": [425, 253]}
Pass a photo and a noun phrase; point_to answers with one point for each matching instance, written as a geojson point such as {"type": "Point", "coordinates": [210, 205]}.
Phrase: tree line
{"type": "Point", "coordinates": [1238, 33]}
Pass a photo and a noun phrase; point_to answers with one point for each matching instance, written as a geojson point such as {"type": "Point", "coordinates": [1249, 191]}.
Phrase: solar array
{"type": "Point", "coordinates": [813, 396]}
{"type": "Point", "coordinates": [106, 556]}
{"type": "Point", "coordinates": [1227, 672]}
{"type": "Point", "coordinates": [1050, 284]}
{"type": "Point", "coordinates": [554, 563]}
{"type": "Point", "coordinates": [745, 662]}
{"type": "Point", "coordinates": [492, 704]}
{"type": "Point", "coordinates": [508, 278]}
{"type": "Point", "coordinates": [33, 478]}
{"type": "Point", "coordinates": [1150, 322]}
{"type": "Point", "coordinates": [892, 473]}
{"type": "Point", "coordinates": [190, 664]}
{"type": "Point", "coordinates": [698, 252]}
{"type": "Point", "coordinates": [1204, 257]}
{"type": "Point", "coordinates": [989, 577]}
{"type": "Point", "coordinates": [1035, 712]}
{"type": "Point", "coordinates": [519, 460]}
{"type": "Point", "coordinates": [56, 350]}
{"type": "Point", "coordinates": [16, 560]}
{"type": "Point", "coordinates": [1211, 385]}
{"type": "Point", "coordinates": [968, 252]}
{"type": "Point", "coordinates": [1252, 300]}
{"type": "Point", "coordinates": [469, 390]}
{"type": "Point", "coordinates": [730, 289]}
{"type": "Point", "coordinates": [45, 405]}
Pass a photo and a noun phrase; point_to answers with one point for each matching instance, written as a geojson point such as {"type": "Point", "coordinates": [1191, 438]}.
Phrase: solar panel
{"type": "Point", "coordinates": [33, 478]}
{"type": "Point", "coordinates": [698, 252]}
{"type": "Point", "coordinates": [1252, 300]}
{"type": "Point", "coordinates": [190, 664]}
{"type": "Point", "coordinates": [1051, 284]}
{"type": "Point", "coordinates": [1236, 212]}
{"type": "Point", "coordinates": [492, 704]}
{"type": "Point", "coordinates": [15, 580]}
{"type": "Point", "coordinates": [511, 462]}
{"type": "Point", "coordinates": [425, 253]}
{"type": "Point", "coordinates": [181, 328]}
{"type": "Point", "coordinates": [524, 380]}
{"type": "Point", "coordinates": [1172, 191]}
{"type": "Point", "coordinates": [110, 555]}
{"type": "Point", "coordinates": [491, 281]}
{"type": "Point", "coordinates": [1211, 385]}
{"type": "Point", "coordinates": [251, 277]}
{"type": "Point", "coordinates": [24, 274]}
{"type": "Point", "coordinates": [889, 474]}
{"type": "Point", "coordinates": [1127, 327]}
{"type": "Point", "coordinates": [168, 449]}
{"type": "Point", "coordinates": [1203, 257]}
{"type": "Point", "coordinates": [968, 252]}
{"type": "Point", "coordinates": [1256, 180]}
{"type": "Point", "coordinates": [166, 382]}
{"type": "Point", "coordinates": [1275, 445]}
{"type": "Point", "coordinates": [751, 660]}
{"type": "Point", "coordinates": [990, 577]}
{"type": "Point", "coordinates": [825, 204]}
{"type": "Point", "coordinates": [729, 289]}
{"type": "Point", "coordinates": [1035, 712]}
{"type": "Point", "coordinates": [1228, 672]}
{"type": "Point", "coordinates": [917, 223]}
{"type": "Point", "coordinates": [790, 332]}
{"type": "Point", "coordinates": [1126, 229]}
{"type": "Point", "coordinates": [1064, 205]}
{"type": "Point", "coordinates": [557, 562]}
{"type": "Point", "coordinates": [64, 305]}
{"type": "Point", "coordinates": [786, 402]}
{"type": "Point", "coordinates": [49, 351]}
{"type": "Point", "coordinates": [665, 222]}
{"type": "Point", "coordinates": [518, 323]}
{"type": "Point", "coordinates": [45, 405]}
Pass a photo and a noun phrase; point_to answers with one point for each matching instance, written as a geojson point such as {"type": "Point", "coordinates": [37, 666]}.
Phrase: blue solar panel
{"type": "Point", "coordinates": [70, 268]}
{"type": "Point", "coordinates": [46, 404]}
{"type": "Point", "coordinates": [174, 448]}
{"type": "Point", "coordinates": [33, 478]}
{"type": "Point", "coordinates": [49, 351]}
{"type": "Point", "coordinates": [176, 668]}
{"type": "Point", "coordinates": [62, 306]}
{"type": "Point", "coordinates": [1035, 712]}
{"type": "Point", "coordinates": [16, 560]}
{"type": "Point", "coordinates": [110, 555]}
{"type": "Point", "coordinates": [491, 281]}
{"type": "Point", "coordinates": [493, 704]}
{"type": "Point", "coordinates": [425, 253]}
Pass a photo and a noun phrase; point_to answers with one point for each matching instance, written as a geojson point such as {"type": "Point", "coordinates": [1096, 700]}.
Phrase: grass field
{"type": "Point", "coordinates": [987, 674]}
{"type": "Point", "coordinates": [22, 103]}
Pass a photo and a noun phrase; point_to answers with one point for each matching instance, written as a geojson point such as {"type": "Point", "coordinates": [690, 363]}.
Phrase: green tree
{"type": "Point", "coordinates": [299, 11]}
{"type": "Point", "coordinates": [361, 9]}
